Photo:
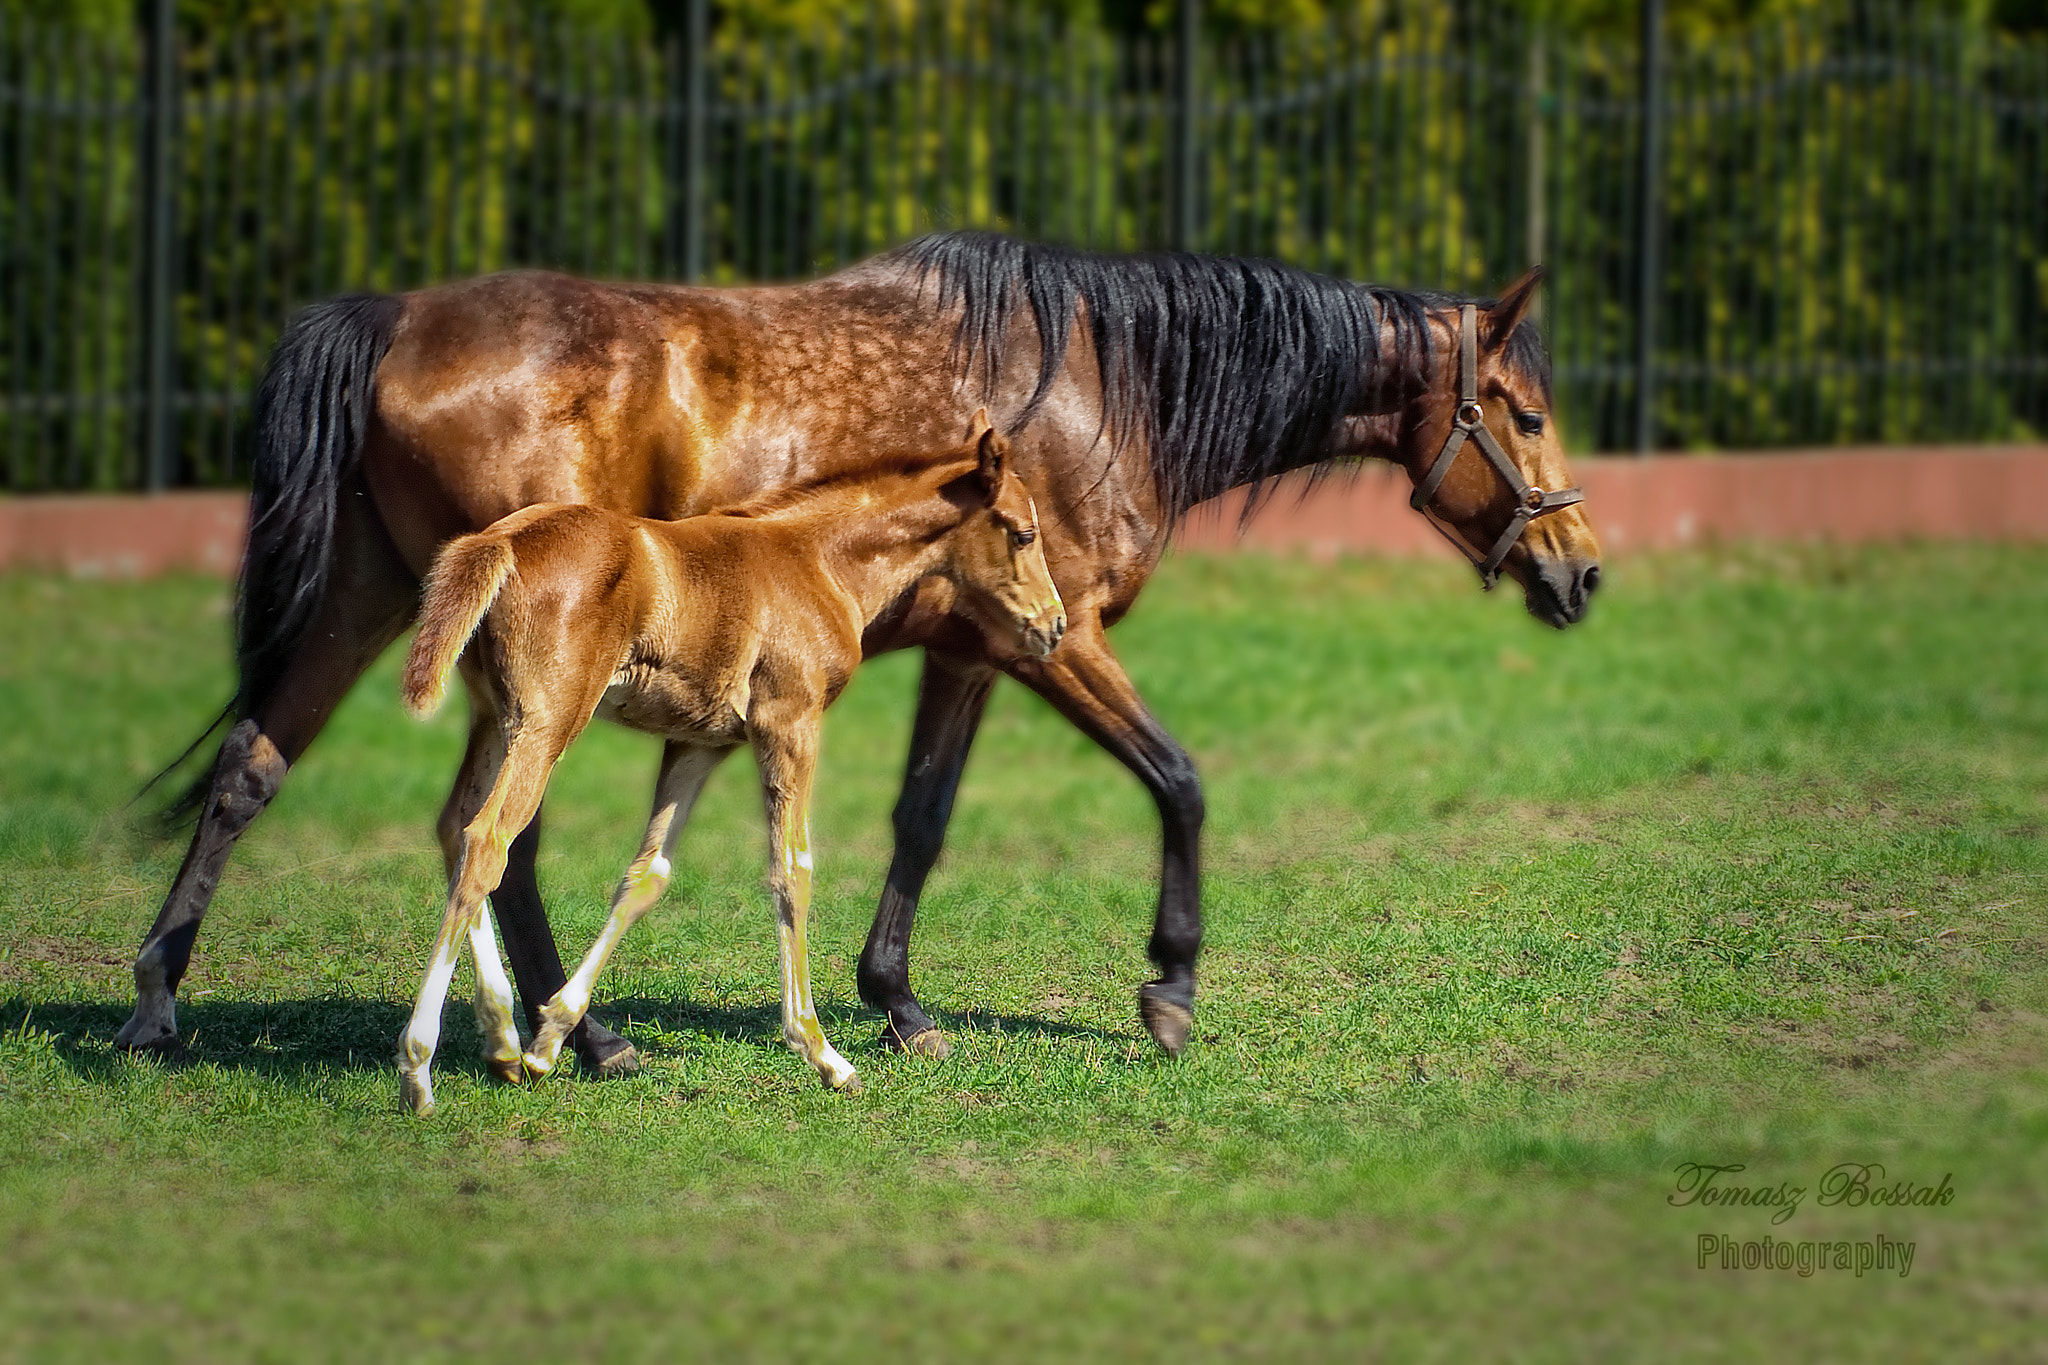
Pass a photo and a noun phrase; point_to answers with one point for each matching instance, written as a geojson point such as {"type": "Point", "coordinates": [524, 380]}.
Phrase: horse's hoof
{"type": "Point", "coordinates": [533, 1064]}
{"type": "Point", "coordinates": [622, 1061]}
{"type": "Point", "coordinates": [849, 1086]}
{"type": "Point", "coordinates": [926, 1042]}
{"type": "Point", "coordinates": [605, 1054]}
{"type": "Point", "coordinates": [165, 1047]}
{"type": "Point", "coordinates": [1169, 1021]}
{"type": "Point", "coordinates": [510, 1070]}
{"type": "Point", "coordinates": [149, 1031]}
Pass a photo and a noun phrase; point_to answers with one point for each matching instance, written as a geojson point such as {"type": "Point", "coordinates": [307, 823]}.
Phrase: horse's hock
{"type": "Point", "coordinates": [1665, 502]}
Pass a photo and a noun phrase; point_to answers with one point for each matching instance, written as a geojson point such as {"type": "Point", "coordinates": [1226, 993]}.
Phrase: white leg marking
{"type": "Point", "coordinates": [494, 1001]}
{"type": "Point", "coordinates": [416, 1045]}
{"type": "Point", "coordinates": [638, 890]}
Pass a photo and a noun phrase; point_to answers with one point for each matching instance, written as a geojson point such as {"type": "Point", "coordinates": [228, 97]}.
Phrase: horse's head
{"type": "Point", "coordinates": [995, 555]}
{"type": "Point", "coordinates": [1527, 523]}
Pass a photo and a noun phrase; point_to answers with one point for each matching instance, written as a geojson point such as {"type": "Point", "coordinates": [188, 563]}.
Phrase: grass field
{"type": "Point", "coordinates": [1503, 927]}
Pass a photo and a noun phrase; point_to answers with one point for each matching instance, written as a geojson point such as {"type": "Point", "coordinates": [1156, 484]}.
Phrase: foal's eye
{"type": "Point", "coordinates": [1024, 537]}
{"type": "Point", "coordinates": [1529, 423]}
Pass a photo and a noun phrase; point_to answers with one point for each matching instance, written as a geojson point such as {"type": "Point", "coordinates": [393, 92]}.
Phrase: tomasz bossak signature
{"type": "Point", "coordinates": [1848, 1185]}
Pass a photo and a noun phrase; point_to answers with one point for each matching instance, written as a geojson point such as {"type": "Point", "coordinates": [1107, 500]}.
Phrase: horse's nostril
{"type": "Point", "coordinates": [1590, 579]}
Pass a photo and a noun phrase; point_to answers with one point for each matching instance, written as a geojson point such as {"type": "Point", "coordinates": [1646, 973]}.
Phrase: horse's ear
{"type": "Point", "coordinates": [1498, 323]}
{"type": "Point", "coordinates": [994, 456]}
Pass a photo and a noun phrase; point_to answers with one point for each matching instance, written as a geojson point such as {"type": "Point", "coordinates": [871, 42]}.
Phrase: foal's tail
{"type": "Point", "coordinates": [464, 581]}
{"type": "Point", "coordinates": [312, 410]}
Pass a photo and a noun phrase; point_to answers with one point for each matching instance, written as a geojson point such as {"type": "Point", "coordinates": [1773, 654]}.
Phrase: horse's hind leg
{"type": "Point", "coordinates": [369, 601]}
{"type": "Point", "coordinates": [684, 770]}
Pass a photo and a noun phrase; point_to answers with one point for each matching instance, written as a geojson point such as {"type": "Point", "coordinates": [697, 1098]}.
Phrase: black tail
{"type": "Point", "coordinates": [311, 412]}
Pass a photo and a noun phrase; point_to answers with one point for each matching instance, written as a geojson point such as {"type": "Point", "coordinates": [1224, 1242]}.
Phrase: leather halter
{"type": "Point", "coordinates": [1469, 422]}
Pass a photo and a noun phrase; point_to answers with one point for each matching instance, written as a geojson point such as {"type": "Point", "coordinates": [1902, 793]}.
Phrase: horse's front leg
{"type": "Point", "coordinates": [1087, 685]}
{"type": "Point", "coordinates": [951, 696]}
{"type": "Point", "coordinates": [788, 757]}
{"type": "Point", "coordinates": [684, 770]}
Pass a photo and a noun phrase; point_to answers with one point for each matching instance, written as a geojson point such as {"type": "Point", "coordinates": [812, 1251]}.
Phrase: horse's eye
{"type": "Point", "coordinates": [1024, 537]}
{"type": "Point", "coordinates": [1529, 423]}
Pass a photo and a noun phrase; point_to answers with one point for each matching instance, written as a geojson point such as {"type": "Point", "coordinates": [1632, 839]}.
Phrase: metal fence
{"type": "Point", "coordinates": [1846, 215]}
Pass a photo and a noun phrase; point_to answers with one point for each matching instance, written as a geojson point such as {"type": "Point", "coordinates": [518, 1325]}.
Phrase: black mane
{"type": "Point", "coordinates": [1232, 370]}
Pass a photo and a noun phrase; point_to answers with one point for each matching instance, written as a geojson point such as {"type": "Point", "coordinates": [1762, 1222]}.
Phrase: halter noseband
{"type": "Point", "coordinates": [1469, 421]}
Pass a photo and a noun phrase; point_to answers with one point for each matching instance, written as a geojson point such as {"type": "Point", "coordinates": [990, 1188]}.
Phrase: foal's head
{"type": "Point", "coordinates": [994, 555]}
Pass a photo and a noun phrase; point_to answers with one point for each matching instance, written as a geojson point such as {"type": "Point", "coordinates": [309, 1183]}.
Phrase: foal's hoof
{"type": "Point", "coordinates": [848, 1086]}
{"type": "Point", "coordinates": [510, 1070]}
{"type": "Point", "coordinates": [926, 1042]}
{"type": "Point", "coordinates": [1167, 1019]}
{"type": "Point", "coordinates": [604, 1053]}
{"type": "Point", "coordinates": [416, 1093]}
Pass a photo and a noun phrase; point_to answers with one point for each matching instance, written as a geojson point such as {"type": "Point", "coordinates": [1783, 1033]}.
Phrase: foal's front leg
{"type": "Point", "coordinates": [684, 770]}
{"type": "Point", "coordinates": [788, 758]}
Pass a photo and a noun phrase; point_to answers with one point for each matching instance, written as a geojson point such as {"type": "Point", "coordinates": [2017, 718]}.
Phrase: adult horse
{"type": "Point", "coordinates": [1134, 387]}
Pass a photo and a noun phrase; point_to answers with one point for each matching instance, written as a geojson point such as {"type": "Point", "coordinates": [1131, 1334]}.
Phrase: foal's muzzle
{"type": "Point", "coordinates": [1041, 636]}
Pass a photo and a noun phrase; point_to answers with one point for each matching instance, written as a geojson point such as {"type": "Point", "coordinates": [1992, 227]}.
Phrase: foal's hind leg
{"type": "Point", "coordinates": [369, 601]}
{"type": "Point", "coordinates": [482, 759]}
{"type": "Point", "coordinates": [684, 770]}
{"type": "Point", "coordinates": [515, 790]}
{"type": "Point", "coordinates": [537, 964]}
{"type": "Point", "coordinates": [494, 1001]}
{"type": "Point", "coordinates": [529, 943]}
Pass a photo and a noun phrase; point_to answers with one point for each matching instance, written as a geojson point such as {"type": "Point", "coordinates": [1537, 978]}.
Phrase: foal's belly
{"type": "Point", "coordinates": [660, 702]}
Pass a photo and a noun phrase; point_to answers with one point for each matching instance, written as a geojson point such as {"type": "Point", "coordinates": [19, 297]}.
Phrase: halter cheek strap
{"type": "Point", "coordinates": [1469, 422]}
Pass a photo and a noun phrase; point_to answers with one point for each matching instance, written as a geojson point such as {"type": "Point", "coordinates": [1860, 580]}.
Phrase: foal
{"type": "Point", "coordinates": [737, 627]}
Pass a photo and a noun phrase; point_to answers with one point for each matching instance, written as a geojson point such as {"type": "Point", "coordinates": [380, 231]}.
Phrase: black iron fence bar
{"type": "Point", "coordinates": [1852, 245]}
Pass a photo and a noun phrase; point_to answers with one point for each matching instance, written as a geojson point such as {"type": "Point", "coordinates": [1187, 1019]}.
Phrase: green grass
{"type": "Point", "coordinates": [1502, 926]}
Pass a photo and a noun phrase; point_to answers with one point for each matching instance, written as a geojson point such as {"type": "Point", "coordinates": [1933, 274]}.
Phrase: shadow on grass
{"type": "Point", "coordinates": [288, 1039]}
{"type": "Point", "coordinates": [762, 1025]}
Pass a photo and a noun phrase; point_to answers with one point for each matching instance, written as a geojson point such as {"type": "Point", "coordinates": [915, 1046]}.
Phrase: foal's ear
{"type": "Point", "coordinates": [1498, 323]}
{"type": "Point", "coordinates": [993, 454]}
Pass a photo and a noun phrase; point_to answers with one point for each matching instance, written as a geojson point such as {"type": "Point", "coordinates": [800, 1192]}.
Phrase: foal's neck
{"type": "Point", "coordinates": [873, 555]}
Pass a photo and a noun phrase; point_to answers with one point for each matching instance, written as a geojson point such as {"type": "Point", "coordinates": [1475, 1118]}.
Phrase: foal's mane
{"type": "Point", "coordinates": [1231, 370]}
{"type": "Point", "coordinates": [801, 497]}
